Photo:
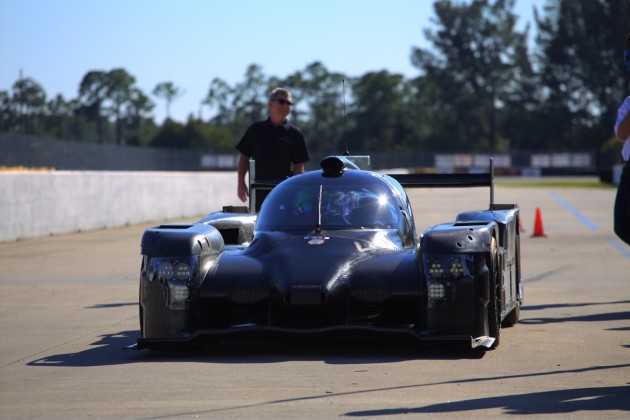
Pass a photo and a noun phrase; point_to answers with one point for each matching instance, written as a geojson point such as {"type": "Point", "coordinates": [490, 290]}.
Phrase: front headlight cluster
{"type": "Point", "coordinates": [174, 275]}
{"type": "Point", "coordinates": [446, 266]}
{"type": "Point", "coordinates": [179, 270]}
{"type": "Point", "coordinates": [442, 271]}
{"type": "Point", "coordinates": [171, 268]}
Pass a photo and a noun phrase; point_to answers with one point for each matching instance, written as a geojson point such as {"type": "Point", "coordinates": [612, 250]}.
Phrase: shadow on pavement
{"type": "Point", "coordinates": [549, 402]}
{"type": "Point", "coordinates": [113, 349]}
{"type": "Point", "coordinates": [112, 305]}
{"type": "Point", "coordinates": [600, 317]}
{"type": "Point", "coordinates": [570, 305]}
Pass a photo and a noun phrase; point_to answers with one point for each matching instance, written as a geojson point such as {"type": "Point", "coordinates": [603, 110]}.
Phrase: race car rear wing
{"type": "Point", "coordinates": [449, 181]}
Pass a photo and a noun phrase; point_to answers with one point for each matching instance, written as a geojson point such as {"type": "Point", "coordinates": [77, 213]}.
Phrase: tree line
{"type": "Point", "coordinates": [479, 89]}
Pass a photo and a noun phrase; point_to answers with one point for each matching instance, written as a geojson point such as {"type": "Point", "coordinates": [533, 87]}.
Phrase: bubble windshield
{"type": "Point", "coordinates": [342, 206]}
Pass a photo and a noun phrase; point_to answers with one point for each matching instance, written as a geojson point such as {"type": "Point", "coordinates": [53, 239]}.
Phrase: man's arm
{"type": "Point", "coordinates": [622, 124]}
{"type": "Point", "coordinates": [623, 131]}
{"type": "Point", "coordinates": [241, 170]}
{"type": "Point", "coordinates": [298, 168]}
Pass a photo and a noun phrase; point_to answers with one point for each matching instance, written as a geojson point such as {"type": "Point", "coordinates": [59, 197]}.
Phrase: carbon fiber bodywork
{"type": "Point", "coordinates": [311, 263]}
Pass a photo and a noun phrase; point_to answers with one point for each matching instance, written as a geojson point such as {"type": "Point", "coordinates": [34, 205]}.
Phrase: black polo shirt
{"type": "Point", "coordinates": [274, 148]}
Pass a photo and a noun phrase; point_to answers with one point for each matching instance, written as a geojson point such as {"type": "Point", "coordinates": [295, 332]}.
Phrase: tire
{"type": "Point", "coordinates": [515, 314]}
{"type": "Point", "coordinates": [489, 314]}
{"type": "Point", "coordinates": [140, 313]}
{"type": "Point", "coordinates": [490, 322]}
{"type": "Point", "coordinates": [512, 318]}
{"type": "Point", "coordinates": [141, 317]}
{"type": "Point", "coordinates": [494, 306]}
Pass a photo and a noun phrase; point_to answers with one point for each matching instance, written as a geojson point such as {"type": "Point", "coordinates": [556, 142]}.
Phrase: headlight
{"type": "Point", "coordinates": [442, 272]}
{"type": "Point", "coordinates": [436, 270]}
{"type": "Point", "coordinates": [176, 277]}
{"type": "Point", "coordinates": [172, 268]}
{"type": "Point", "coordinates": [456, 269]}
{"type": "Point", "coordinates": [437, 291]}
{"type": "Point", "coordinates": [165, 271]}
{"type": "Point", "coordinates": [182, 271]}
{"type": "Point", "coordinates": [452, 266]}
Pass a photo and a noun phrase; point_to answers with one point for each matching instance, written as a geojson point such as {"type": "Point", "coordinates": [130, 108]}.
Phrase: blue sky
{"type": "Point", "coordinates": [191, 42]}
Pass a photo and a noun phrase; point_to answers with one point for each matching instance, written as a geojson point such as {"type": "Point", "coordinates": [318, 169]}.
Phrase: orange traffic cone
{"type": "Point", "coordinates": [538, 225]}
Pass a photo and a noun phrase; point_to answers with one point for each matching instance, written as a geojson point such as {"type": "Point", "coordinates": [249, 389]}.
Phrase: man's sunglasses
{"type": "Point", "coordinates": [284, 102]}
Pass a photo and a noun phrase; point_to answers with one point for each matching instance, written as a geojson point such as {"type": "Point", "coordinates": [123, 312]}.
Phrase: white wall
{"type": "Point", "coordinates": [34, 204]}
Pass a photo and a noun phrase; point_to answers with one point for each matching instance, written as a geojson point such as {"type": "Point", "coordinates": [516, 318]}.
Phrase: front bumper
{"type": "Point", "coordinates": [336, 331]}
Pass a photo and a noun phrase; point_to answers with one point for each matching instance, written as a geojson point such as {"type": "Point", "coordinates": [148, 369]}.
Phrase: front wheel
{"type": "Point", "coordinates": [492, 320]}
{"type": "Point", "coordinates": [494, 307]}
{"type": "Point", "coordinates": [512, 318]}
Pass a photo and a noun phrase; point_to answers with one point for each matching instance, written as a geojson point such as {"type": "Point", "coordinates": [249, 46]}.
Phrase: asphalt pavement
{"type": "Point", "coordinates": [68, 311]}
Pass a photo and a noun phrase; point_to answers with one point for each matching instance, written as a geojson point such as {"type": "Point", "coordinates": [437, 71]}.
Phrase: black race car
{"type": "Point", "coordinates": [333, 252]}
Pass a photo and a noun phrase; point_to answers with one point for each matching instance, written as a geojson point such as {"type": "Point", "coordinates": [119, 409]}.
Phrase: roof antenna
{"type": "Point", "coordinates": [345, 122]}
{"type": "Point", "coordinates": [318, 227]}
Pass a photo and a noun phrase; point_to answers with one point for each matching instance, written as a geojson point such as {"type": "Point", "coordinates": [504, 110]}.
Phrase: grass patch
{"type": "Point", "coordinates": [586, 183]}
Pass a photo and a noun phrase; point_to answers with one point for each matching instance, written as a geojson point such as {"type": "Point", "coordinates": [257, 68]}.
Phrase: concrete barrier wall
{"type": "Point", "coordinates": [35, 204]}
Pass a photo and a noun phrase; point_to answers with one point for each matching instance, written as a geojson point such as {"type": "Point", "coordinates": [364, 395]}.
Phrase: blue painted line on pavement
{"type": "Point", "coordinates": [573, 211]}
{"type": "Point", "coordinates": [619, 246]}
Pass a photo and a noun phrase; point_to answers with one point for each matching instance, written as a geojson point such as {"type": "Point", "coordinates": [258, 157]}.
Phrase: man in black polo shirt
{"type": "Point", "coordinates": [622, 130]}
{"type": "Point", "coordinates": [277, 147]}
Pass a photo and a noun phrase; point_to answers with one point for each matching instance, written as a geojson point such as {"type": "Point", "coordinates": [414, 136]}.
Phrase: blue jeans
{"type": "Point", "coordinates": [622, 206]}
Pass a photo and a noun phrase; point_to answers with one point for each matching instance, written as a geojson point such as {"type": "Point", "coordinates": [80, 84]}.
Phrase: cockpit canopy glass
{"type": "Point", "coordinates": [330, 206]}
